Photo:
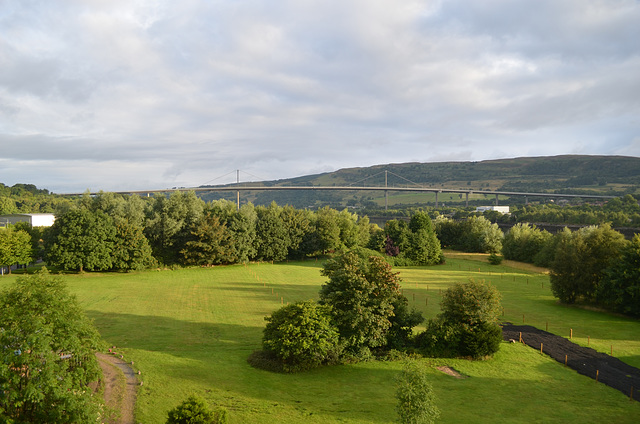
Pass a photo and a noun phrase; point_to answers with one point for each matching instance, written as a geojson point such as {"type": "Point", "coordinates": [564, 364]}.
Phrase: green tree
{"type": "Point", "coordinates": [471, 303]}
{"type": "Point", "coordinates": [580, 261]}
{"type": "Point", "coordinates": [361, 293]}
{"type": "Point", "coordinates": [416, 400]}
{"type": "Point", "coordinates": [424, 246]}
{"type": "Point", "coordinates": [131, 250]}
{"type": "Point", "coordinates": [168, 221]}
{"type": "Point", "coordinates": [7, 205]}
{"type": "Point", "coordinates": [297, 223]}
{"type": "Point", "coordinates": [208, 243]}
{"type": "Point", "coordinates": [47, 353]}
{"type": "Point", "coordinates": [301, 335]}
{"type": "Point", "coordinates": [478, 234]}
{"type": "Point", "coordinates": [523, 242]}
{"type": "Point", "coordinates": [194, 410]}
{"type": "Point", "coordinates": [80, 240]}
{"type": "Point", "coordinates": [327, 230]}
{"type": "Point", "coordinates": [272, 237]}
{"type": "Point", "coordinates": [467, 325]}
{"type": "Point", "coordinates": [15, 248]}
{"type": "Point", "coordinates": [620, 286]}
{"type": "Point", "coordinates": [242, 225]}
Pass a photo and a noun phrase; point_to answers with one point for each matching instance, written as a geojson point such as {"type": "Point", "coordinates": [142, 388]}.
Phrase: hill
{"type": "Point", "coordinates": [573, 174]}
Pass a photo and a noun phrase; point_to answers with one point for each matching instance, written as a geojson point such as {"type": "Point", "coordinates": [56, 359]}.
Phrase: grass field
{"type": "Point", "coordinates": [191, 331]}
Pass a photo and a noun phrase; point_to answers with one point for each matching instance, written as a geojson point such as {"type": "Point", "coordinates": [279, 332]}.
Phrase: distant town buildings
{"type": "Point", "coordinates": [501, 209]}
{"type": "Point", "coordinates": [35, 219]}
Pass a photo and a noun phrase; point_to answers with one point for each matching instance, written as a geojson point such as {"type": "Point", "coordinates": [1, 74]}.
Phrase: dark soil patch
{"type": "Point", "coordinates": [586, 361]}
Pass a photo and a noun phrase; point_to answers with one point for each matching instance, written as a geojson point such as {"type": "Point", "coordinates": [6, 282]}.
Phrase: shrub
{"type": "Point", "coordinates": [194, 410]}
{"type": "Point", "coordinates": [495, 259]}
{"type": "Point", "coordinates": [301, 335]}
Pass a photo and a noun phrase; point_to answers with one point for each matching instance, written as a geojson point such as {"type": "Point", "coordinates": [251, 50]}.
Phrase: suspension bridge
{"type": "Point", "coordinates": [410, 186]}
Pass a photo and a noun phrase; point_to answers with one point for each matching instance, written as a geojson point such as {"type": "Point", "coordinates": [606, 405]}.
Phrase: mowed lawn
{"type": "Point", "coordinates": [191, 331]}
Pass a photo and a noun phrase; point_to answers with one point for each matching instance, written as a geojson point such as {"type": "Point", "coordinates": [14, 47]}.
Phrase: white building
{"type": "Point", "coordinates": [501, 209]}
{"type": "Point", "coordinates": [35, 219]}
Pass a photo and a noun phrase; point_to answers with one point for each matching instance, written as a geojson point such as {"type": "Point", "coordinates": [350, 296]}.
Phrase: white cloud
{"type": "Point", "coordinates": [123, 94]}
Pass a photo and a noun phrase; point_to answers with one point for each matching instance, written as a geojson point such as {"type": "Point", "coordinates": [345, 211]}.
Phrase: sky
{"type": "Point", "coordinates": [121, 95]}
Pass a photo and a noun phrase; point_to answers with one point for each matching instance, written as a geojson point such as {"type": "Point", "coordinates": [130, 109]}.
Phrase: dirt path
{"type": "Point", "coordinates": [586, 361]}
{"type": "Point", "coordinates": [120, 384]}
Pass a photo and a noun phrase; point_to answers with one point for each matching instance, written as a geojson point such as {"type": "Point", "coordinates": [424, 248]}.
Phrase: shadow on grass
{"type": "Point", "coordinates": [215, 355]}
{"type": "Point", "coordinates": [169, 335]}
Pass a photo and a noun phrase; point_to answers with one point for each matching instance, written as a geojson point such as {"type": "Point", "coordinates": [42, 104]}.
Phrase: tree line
{"type": "Point", "coordinates": [111, 232]}
{"type": "Point", "coordinates": [121, 233]}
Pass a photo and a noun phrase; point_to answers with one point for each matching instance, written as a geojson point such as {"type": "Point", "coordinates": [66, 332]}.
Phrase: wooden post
{"type": "Point", "coordinates": [597, 374]}
{"type": "Point", "coordinates": [571, 333]}
{"type": "Point", "coordinates": [565, 360]}
{"type": "Point", "coordinates": [541, 347]}
{"type": "Point", "coordinates": [426, 302]}
{"type": "Point", "coordinates": [521, 337]}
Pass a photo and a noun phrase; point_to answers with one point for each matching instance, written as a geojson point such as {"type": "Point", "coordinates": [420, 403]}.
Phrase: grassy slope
{"type": "Point", "coordinates": [192, 330]}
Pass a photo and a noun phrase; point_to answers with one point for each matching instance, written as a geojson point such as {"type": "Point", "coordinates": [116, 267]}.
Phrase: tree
{"type": "Point", "coordinates": [208, 243]}
{"type": "Point", "coordinates": [478, 234]}
{"type": "Point", "coordinates": [47, 354]}
{"type": "Point", "coordinates": [327, 230]}
{"type": "Point", "coordinates": [131, 250]}
{"type": "Point", "coordinates": [424, 247]}
{"type": "Point", "coordinates": [620, 287]}
{"type": "Point", "coordinates": [300, 335]}
{"type": "Point", "coordinates": [167, 222]}
{"type": "Point", "coordinates": [471, 303]}
{"type": "Point", "coordinates": [272, 237]}
{"type": "Point", "coordinates": [416, 400]}
{"type": "Point", "coordinates": [297, 223]}
{"type": "Point", "coordinates": [523, 242]}
{"type": "Point", "coordinates": [242, 225]}
{"type": "Point", "coordinates": [580, 261]}
{"type": "Point", "coordinates": [15, 248]}
{"type": "Point", "coordinates": [361, 292]}
{"type": "Point", "coordinates": [194, 410]}
{"type": "Point", "coordinates": [467, 325]}
{"type": "Point", "coordinates": [80, 240]}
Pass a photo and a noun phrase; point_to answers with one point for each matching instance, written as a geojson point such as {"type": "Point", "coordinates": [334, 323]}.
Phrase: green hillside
{"type": "Point", "coordinates": [571, 174]}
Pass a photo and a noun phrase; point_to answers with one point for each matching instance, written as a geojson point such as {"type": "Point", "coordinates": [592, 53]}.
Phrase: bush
{"type": "Point", "coordinates": [495, 259]}
{"type": "Point", "coordinates": [301, 335]}
{"type": "Point", "coordinates": [194, 410]}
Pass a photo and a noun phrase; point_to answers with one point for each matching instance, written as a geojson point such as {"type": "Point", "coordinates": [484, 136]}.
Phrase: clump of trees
{"type": "Point", "coordinates": [47, 350]}
{"type": "Point", "coordinates": [414, 243]}
{"type": "Point", "coordinates": [581, 261]}
{"type": "Point", "coordinates": [361, 310]}
{"type": "Point", "coordinates": [110, 232]}
{"type": "Point", "coordinates": [474, 234]}
{"type": "Point", "coordinates": [468, 324]}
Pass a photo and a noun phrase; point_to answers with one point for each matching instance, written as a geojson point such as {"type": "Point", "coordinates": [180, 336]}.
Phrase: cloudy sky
{"type": "Point", "coordinates": [124, 94]}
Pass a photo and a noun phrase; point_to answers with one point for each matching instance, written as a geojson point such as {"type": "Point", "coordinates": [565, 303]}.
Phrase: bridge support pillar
{"type": "Point", "coordinates": [466, 200]}
{"type": "Point", "coordinates": [436, 200]}
{"type": "Point", "coordinates": [496, 200]}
